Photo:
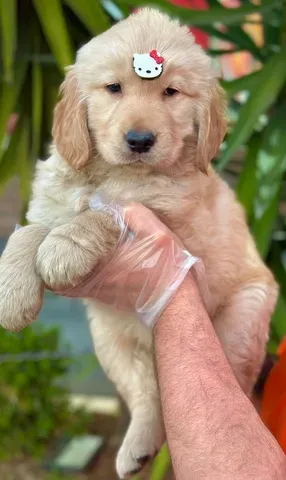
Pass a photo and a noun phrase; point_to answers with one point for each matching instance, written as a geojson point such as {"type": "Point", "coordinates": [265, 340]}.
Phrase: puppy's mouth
{"type": "Point", "coordinates": [138, 159]}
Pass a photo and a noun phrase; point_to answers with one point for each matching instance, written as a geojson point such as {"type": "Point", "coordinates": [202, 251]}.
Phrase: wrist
{"type": "Point", "coordinates": [186, 296]}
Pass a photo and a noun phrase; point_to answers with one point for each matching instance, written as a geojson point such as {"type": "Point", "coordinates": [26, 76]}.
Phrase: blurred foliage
{"type": "Point", "coordinates": [34, 407]}
{"type": "Point", "coordinates": [39, 38]}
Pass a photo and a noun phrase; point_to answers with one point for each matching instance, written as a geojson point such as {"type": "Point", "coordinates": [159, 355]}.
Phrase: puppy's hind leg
{"type": "Point", "coordinates": [124, 349]}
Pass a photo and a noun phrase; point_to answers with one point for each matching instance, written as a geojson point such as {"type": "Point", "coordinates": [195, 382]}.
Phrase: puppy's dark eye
{"type": "Point", "coordinates": [114, 87]}
{"type": "Point", "coordinates": [170, 92]}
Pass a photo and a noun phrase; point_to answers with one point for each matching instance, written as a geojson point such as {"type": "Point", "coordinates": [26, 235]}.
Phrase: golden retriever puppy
{"type": "Point", "coordinates": [149, 138]}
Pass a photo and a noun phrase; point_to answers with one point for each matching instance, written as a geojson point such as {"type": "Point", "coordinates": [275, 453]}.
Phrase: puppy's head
{"type": "Point", "coordinates": [107, 107]}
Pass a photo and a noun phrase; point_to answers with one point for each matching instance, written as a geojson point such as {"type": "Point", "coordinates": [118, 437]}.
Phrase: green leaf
{"type": "Point", "coordinates": [278, 323]}
{"type": "Point", "coordinates": [52, 19]}
{"type": "Point", "coordinates": [219, 52]}
{"type": "Point", "coordinates": [277, 263]}
{"type": "Point", "coordinates": [91, 14]}
{"type": "Point", "coordinates": [24, 165]}
{"type": "Point", "coordinates": [217, 33]}
{"type": "Point", "coordinates": [9, 94]}
{"type": "Point", "coordinates": [236, 36]}
{"type": "Point", "coordinates": [273, 343]}
{"type": "Point", "coordinates": [271, 27]}
{"type": "Point", "coordinates": [247, 82]}
{"type": "Point", "coordinates": [216, 14]}
{"type": "Point", "coordinates": [52, 80]}
{"type": "Point", "coordinates": [283, 26]}
{"type": "Point", "coordinates": [244, 41]}
{"type": "Point", "coordinates": [213, 3]}
{"type": "Point", "coordinates": [37, 108]}
{"type": "Point", "coordinates": [16, 161]}
{"type": "Point", "coordinates": [271, 167]}
{"type": "Point", "coordinates": [263, 94]}
{"type": "Point", "coordinates": [161, 464]}
{"type": "Point", "coordinates": [8, 30]}
{"type": "Point", "coordinates": [10, 159]}
{"type": "Point", "coordinates": [263, 226]}
{"type": "Point", "coordinates": [247, 183]}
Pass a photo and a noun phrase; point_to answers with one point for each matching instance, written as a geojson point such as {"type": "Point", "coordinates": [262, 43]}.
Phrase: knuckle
{"type": "Point", "coordinates": [162, 238]}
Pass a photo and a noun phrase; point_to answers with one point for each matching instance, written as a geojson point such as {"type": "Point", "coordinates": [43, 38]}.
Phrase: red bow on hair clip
{"type": "Point", "coordinates": [154, 54]}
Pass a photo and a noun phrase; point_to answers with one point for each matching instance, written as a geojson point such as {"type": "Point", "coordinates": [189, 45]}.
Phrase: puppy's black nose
{"type": "Point", "coordinates": [140, 142]}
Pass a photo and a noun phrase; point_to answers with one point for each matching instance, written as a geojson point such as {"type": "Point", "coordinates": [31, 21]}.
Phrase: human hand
{"type": "Point", "coordinates": [146, 269]}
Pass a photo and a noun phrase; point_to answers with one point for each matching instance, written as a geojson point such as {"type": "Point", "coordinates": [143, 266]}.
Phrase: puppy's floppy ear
{"type": "Point", "coordinates": [212, 125]}
{"type": "Point", "coordinates": [70, 130]}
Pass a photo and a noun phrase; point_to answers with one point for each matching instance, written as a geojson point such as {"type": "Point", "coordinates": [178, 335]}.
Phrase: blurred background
{"type": "Point", "coordinates": [51, 386]}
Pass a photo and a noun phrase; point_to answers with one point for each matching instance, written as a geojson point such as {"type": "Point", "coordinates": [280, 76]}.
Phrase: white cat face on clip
{"type": "Point", "coordinates": [148, 65]}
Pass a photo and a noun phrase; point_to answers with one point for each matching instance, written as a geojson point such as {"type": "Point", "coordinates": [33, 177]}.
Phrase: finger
{"type": "Point", "coordinates": [142, 221]}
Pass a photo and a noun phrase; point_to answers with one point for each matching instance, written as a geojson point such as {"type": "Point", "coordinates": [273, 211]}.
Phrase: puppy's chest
{"type": "Point", "coordinates": [170, 200]}
{"type": "Point", "coordinates": [175, 202]}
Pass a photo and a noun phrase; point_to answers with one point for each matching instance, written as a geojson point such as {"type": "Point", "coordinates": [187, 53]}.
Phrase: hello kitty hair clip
{"type": "Point", "coordinates": [148, 65]}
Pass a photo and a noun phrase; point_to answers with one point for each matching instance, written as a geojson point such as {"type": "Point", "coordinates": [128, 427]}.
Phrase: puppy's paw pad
{"type": "Point", "coordinates": [137, 449]}
{"type": "Point", "coordinates": [143, 460]}
{"type": "Point", "coordinates": [128, 465]}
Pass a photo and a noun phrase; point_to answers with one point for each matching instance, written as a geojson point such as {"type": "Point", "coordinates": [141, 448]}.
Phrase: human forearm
{"type": "Point", "coordinates": [213, 430]}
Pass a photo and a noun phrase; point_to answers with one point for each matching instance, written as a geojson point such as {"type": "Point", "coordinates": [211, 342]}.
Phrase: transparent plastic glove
{"type": "Point", "coordinates": [145, 271]}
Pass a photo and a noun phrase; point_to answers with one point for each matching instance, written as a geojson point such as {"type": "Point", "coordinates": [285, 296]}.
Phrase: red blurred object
{"type": "Point", "coordinates": [200, 37]}
{"type": "Point", "coordinates": [273, 411]}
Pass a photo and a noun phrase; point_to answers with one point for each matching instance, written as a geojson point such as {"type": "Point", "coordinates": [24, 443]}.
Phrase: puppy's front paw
{"type": "Point", "coordinates": [142, 442]}
{"type": "Point", "coordinates": [71, 251]}
{"type": "Point", "coordinates": [21, 289]}
{"type": "Point", "coordinates": [60, 261]}
{"type": "Point", "coordinates": [21, 296]}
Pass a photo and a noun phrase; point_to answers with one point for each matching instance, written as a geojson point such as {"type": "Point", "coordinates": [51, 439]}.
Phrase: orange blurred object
{"type": "Point", "coordinates": [273, 411]}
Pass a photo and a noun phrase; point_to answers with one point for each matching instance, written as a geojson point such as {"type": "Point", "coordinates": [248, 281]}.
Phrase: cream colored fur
{"type": "Point", "coordinates": [174, 179]}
